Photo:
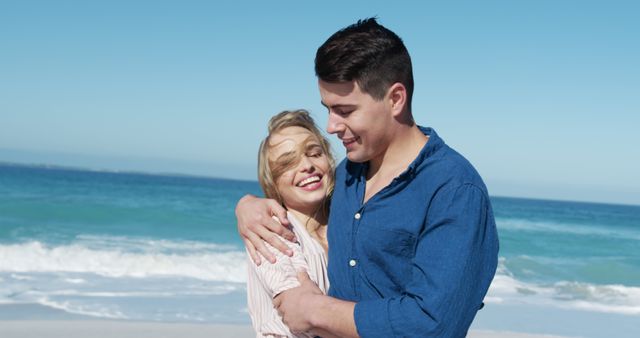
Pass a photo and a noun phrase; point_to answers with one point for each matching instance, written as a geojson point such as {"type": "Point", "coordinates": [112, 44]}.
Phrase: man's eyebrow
{"type": "Point", "coordinates": [343, 105]}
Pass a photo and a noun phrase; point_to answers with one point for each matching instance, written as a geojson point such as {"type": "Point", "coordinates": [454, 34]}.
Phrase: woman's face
{"type": "Point", "coordinates": [305, 180]}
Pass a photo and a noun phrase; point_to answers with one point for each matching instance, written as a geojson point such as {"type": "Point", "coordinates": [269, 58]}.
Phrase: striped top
{"type": "Point", "coordinates": [268, 280]}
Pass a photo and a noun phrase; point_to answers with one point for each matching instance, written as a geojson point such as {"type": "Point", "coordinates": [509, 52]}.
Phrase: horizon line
{"type": "Point", "coordinates": [50, 166]}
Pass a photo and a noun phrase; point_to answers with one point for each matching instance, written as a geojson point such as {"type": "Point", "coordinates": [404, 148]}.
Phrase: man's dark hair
{"type": "Point", "coordinates": [368, 53]}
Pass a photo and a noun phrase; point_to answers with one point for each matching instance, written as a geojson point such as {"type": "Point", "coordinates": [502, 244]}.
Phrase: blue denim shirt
{"type": "Point", "coordinates": [419, 256]}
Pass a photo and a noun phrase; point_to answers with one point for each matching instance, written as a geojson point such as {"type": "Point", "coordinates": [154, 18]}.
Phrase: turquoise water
{"type": "Point", "coordinates": [546, 241]}
{"type": "Point", "coordinates": [165, 248]}
{"type": "Point", "coordinates": [55, 205]}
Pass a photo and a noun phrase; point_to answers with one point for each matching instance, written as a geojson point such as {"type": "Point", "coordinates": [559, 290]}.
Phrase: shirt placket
{"type": "Point", "coordinates": [356, 220]}
{"type": "Point", "coordinates": [354, 257]}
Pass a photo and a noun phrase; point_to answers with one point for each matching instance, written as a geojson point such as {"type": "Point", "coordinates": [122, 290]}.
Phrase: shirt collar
{"type": "Point", "coordinates": [433, 144]}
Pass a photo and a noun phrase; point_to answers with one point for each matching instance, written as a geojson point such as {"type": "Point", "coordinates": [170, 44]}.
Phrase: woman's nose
{"type": "Point", "coordinates": [306, 165]}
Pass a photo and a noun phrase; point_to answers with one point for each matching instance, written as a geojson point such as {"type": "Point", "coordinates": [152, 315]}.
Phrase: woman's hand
{"type": "Point", "coordinates": [259, 220]}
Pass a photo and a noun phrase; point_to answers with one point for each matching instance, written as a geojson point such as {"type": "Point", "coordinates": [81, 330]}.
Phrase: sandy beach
{"type": "Point", "coordinates": [121, 329]}
{"type": "Point", "coordinates": [117, 329]}
{"type": "Point", "coordinates": [34, 321]}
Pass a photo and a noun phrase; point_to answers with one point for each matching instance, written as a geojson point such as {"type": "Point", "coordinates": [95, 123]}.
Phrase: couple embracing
{"type": "Point", "coordinates": [397, 240]}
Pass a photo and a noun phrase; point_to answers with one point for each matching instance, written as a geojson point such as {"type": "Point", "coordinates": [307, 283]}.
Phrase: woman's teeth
{"type": "Point", "coordinates": [309, 180]}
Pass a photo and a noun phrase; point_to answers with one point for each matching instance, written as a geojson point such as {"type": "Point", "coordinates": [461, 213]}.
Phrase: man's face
{"type": "Point", "coordinates": [358, 120]}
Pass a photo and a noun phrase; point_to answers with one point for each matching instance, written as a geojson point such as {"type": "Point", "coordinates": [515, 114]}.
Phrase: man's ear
{"type": "Point", "coordinates": [397, 96]}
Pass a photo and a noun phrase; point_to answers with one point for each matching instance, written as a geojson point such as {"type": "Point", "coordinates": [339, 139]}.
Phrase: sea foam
{"type": "Point", "coordinates": [546, 226]}
{"type": "Point", "coordinates": [185, 260]}
{"type": "Point", "coordinates": [608, 298]}
{"type": "Point", "coordinates": [214, 263]}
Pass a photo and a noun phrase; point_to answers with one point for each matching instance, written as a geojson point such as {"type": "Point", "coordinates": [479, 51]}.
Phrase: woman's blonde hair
{"type": "Point", "coordinates": [270, 171]}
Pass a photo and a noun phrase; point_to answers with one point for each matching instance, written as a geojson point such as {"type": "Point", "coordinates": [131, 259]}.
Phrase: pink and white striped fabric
{"type": "Point", "coordinates": [267, 280]}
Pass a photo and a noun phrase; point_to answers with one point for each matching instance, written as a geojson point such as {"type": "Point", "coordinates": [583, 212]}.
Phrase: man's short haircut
{"type": "Point", "coordinates": [368, 53]}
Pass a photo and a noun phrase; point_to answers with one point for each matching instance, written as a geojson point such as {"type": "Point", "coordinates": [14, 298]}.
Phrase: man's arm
{"type": "Point", "coordinates": [334, 317]}
{"type": "Point", "coordinates": [306, 309]}
{"type": "Point", "coordinates": [256, 226]}
{"type": "Point", "coordinates": [454, 263]}
{"type": "Point", "coordinates": [455, 260]}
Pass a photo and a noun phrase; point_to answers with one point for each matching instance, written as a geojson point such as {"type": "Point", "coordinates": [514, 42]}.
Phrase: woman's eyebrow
{"type": "Point", "coordinates": [312, 145]}
{"type": "Point", "coordinates": [306, 145]}
{"type": "Point", "coordinates": [289, 153]}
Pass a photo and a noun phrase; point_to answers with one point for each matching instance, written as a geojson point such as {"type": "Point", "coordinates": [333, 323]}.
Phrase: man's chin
{"type": "Point", "coordinates": [354, 156]}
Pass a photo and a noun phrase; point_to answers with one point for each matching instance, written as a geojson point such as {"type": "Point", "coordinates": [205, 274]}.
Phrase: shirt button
{"type": "Point", "coordinates": [352, 262]}
{"type": "Point", "coordinates": [357, 216]}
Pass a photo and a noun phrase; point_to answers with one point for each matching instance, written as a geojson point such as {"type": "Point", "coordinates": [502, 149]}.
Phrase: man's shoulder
{"type": "Point", "coordinates": [451, 168]}
{"type": "Point", "coordinates": [440, 161]}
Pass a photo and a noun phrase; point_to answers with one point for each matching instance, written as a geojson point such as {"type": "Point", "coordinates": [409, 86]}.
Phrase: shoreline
{"type": "Point", "coordinates": [38, 321]}
{"type": "Point", "coordinates": [27, 328]}
{"type": "Point", "coordinates": [495, 321]}
{"type": "Point", "coordinates": [93, 328]}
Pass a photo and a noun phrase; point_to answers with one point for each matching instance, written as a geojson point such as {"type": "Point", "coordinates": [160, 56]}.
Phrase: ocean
{"type": "Point", "coordinates": [144, 247]}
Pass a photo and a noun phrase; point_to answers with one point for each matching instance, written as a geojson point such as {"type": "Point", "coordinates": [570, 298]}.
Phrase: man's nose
{"type": "Point", "coordinates": [333, 124]}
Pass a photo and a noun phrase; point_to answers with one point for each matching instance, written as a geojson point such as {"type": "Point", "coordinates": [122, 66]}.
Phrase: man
{"type": "Point", "coordinates": [412, 239]}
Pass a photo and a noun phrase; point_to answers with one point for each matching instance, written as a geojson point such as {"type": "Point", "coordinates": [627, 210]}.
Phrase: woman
{"type": "Point", "coordinates": [295, 168]}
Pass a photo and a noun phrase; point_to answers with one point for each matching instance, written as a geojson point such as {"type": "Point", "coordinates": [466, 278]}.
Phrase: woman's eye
{"type": "Point", "coordinates": [314, 153]}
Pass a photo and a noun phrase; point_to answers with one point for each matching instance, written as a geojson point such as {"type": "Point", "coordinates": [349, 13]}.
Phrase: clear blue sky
{"type": "Point", "coordinates": [542, 96]}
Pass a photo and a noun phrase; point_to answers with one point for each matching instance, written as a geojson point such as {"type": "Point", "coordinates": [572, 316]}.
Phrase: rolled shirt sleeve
{"type": "Point", "coordinates": [455, 260]}
{"type": "Point", "coordinates": [265, 281]}
{"type": "Point", "coordinates": [283, 274]}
